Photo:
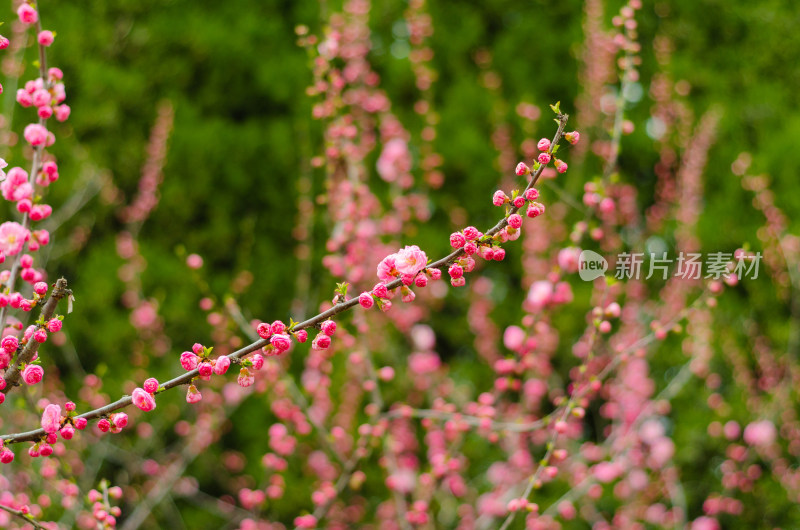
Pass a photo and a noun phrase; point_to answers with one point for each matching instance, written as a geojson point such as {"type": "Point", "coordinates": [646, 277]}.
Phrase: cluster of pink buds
{"type": "Point", "coordinates": [473, 242]}
{"type": "Point", "coordinates": [114, 423]}
{"type": "Point", "coordinates": [199, 358]}
{"type": "Point", "coordinates": [535, 209]}
{"type": "Point", "coordinates": [144, 398]}
{"type": "Point", "coordinates": [55, 423]}
{"type": "Point", "coordinates": [280, 341]}
{"type": "Point", "coordinates": [409, 264]}
{"type": "Point", "coordinates": [105, 514]}
{"type": "Point", "coordinates": [48, 98]}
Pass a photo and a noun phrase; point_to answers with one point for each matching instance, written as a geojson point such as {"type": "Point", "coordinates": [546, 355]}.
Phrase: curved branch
{"type": "Point", "coordinates": [341, 307]}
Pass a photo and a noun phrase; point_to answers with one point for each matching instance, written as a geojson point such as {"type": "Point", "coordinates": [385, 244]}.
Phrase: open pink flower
{"type": "Point", "coordinates": [143, 400]}
{"type": "Point", "coordinates": [386, 268]}
{"type": "Point", "coordinates": [12, 237]}
{"type": "Point", "coordinates": [410, 260]}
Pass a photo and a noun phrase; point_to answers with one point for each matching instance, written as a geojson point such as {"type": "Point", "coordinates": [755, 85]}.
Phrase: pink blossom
{"type": "Point", "coordinates": [561, 166]}
{"type": "Point", "coordinates": [9, 344]}
{"type": "Point", "coordinates": [62, 112]}
{"type": "Point", "coordinates": [573, 137]}
{"type": "Point", "coordinates": [151, 385]}
{"type": "Point", "coordinates": [499, 198]}
{"type": "Point", "coordinates": [531, 194]}
{"type": "Point", "coordinates": [544, 158]}
{"type": "Point", "coordinates": [321, 342]}
{"type": "Point", "coordinates": [45, 37]}
{"type": "Point", "coordinates": [410, 260]}
{"type": "Point", "coordinates": [380, 290]}
{"type": "Point", "coordinates": [189, 360]}
{"type": "Point", "coordinates": [32, 374]}
{"type": "Point", "coordinates": [245, 378]}
{"type": "Point", "coordinates": [143, 399]}
{"type": "Point", "coordinates": [4, 42]}
{"type": "Point", "coordinates": [193, 395]}
{"type": "Point", "coordinates": [568, 259]}
{"type": "Point", "coordinates": [264, 330]}
{"type": "Point", "coordinates": [457, 240]}
{"type": "Point", "coordinates": [40, 335]}
{"type": "Point", "coordinates": [301, 335]}
{"type": "Point", "coordinates": [54, 325]}
{"type": "Point", "coordinates": [386, 268]}
{"type": "Point", "coordinates": [277, 327]}
{"type": "Point", "coordinates": [193, 261]}
{"type": "Point", "coordinates": [51, 418]}
{"type": "Point", "coordinates": [222, 364]}
{"type": "Point", "coordinates": [471, 233]}
{"type": "Point", "coordinates": [328, 327]}
{"type": "Point", "coordinates": [366, 300]}
{"type": "Point", "coordinates": [513, 337]}
{"type": "Point", "coordinates": [515, 220]}
{"type": "Point", "coordinates": [27, 14]}
{"type": "Point", "coordinates": [16, 186]}
{"type": "Point", "coordinates": [543, 145]}
{"type": "Point", "coordinates": [760, 433]}
{"type": "Point", "coordinates": [522, 169]}
{"type": "Point", "coordinates": [35, 134]}
{"type": "Point", "coordinates": [281, 341]}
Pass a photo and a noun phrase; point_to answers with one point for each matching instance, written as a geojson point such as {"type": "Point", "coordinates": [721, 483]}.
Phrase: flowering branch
{"type": "Point", "coordinates": [315, 321]}
{"type": "Point", "coordinates": [24, 516]}
{"type": "Point", "coordinates": [12, 375]}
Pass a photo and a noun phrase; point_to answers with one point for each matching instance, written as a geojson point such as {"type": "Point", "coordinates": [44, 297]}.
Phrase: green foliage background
{"type": "Point", "coordinates": [243, 134]}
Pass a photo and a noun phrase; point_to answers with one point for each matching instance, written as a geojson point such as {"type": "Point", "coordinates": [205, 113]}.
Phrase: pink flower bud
{"type": "Point", "coordinates": [258, 361]}
{"type": "Point", "coordinates": [120, 420]}
{"type": "Point", "coordinates": [470, 248]}
{"type": "Point", "coordinates": [4, 42]}
{"type": "Point", "coordinates": [245, 378]}
{"type": "Point", "coordinates": [40, 288]}
{"type": "Point", "coordinates": [62, 114]}
{"type": "Point", "coordinates": [471, 233]}
{"type": "Point", "coordinates": [458, 282]}
{"type": "Point", "coordinates": [281, 341]}
{"type": "Point", "coordinates": [198, 348]}
{"type": "Point", "coordinates": [144, 399]}
{"type": "Point", "coordinates": [366, 300]}
{"type": "Point", "coordinates": [421, 280]}
{"type": "Point", "coordinates": [189, 360]}
{"type": "Point", "coordinates": [103, 425]}
{"type": "Point", "coordinates": [499, 198]}
{"type": "Point", "coordinates": [321, 342]}
{"type": "Point", "coordinates": [35, 134]}
{"type": "Point", "coordinates": [9, 344]}
{"type": "Point", "coordinates": [522, 169]}
{"type": "Point", "coordinates": [457, 240]}
{"type": "Point", "coordinates": [151, 385]}
{"type": "Point", "coordinates": [301, 335]}
{"type": "Point", "coordinates": [544, 158]}
{"type": "Point", "coordinates": [54, 325]}
{"type": "Point", "coordinates": [386, 305]}
{"type": "Point", "coordinates": [519, 202]}
{"type": "Point", "coordinates": [40, 335]}
{"type": "Point", "coordinates": [543, 145]}
{"type": "Point", "coordinates": [435, 273]}
{"type": "Point", "coordinates": [205, 369]}
{"type": "Point", "coordinates": [51, 418]}
{"type": "Point", "coordinates": [6, 456]}
{"type": "Point", "coordinates": [278, 327]}
{"type": "Point", "coordinates": [535, 209]}
{"type": "Point", "coordinates": [222, 364]}
{"type": "Point", "coordinates": [328, 327]}
{"type": "Point", "coordinates": [79, 423]}
{"type": "Point", "coordinates": [499, 254]}
{"type": "Point", "coordinates": [264, 330]}
{"type": "Point", "coordinates": [515, 220]}
{"type": "Point", "coordinates": [455, 271]}
{"type": "Point", "coordinates": [32, 374]}
{"type": "Point", "coordinates": [561, 166]}
{"type": "Point", "coordinates": [45, 450]}
{"type": "Point", "coordinates": [69, 406]}
{"type": "Point", "coordinates": [193, 395]}
{"type": "Point", "coordinates": [573, 137]}
{"type": "Point", "coordinates": [380, 290]}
